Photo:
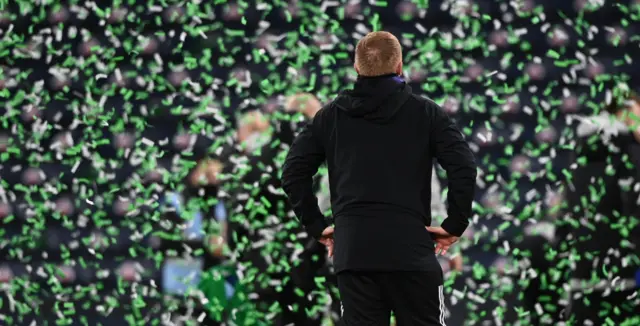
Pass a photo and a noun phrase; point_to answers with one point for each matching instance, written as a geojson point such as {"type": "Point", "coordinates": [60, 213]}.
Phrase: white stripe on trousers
{"type": "Point", "coordinates": [441, 299]}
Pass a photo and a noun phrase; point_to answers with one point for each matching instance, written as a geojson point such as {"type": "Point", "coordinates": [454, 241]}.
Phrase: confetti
{"type": "Point", "coordinates": [139, 186]}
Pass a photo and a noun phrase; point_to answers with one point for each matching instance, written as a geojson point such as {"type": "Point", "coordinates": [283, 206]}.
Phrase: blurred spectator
{"type": "Point", "coordinates": [253, 131]}
{"type": "Point", "coordinates": [545, 275]}
{"type": "Point", "coordinates": [269, 235]}
{"type": "Point", "coordinates": [602, 197]}
{"type": "Point", "coordinates": [304, 103]}
{"type": "Point", "coordinates": [201, 225]}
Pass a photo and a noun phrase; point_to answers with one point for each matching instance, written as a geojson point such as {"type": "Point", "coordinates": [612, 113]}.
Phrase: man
{"type": "Point", "coordinates": [379, 141]}
{"type": "Point", "coordinates": [600, 227]}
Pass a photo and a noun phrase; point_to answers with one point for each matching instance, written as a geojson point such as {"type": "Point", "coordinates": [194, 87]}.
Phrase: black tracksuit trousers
{"type": "Point", "coordinates": [368, 298]}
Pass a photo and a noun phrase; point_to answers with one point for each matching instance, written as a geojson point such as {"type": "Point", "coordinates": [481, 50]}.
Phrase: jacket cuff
{"type": "Point", "coordinates": [315, 229]}
{"type": "Point", "coordinates": [455, 226]}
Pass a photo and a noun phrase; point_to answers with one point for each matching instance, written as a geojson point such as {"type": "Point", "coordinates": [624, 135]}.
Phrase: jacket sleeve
{"type": "Point", "coordinates": [303, 160]}
{"type": "Point", "coordinates": [454, 155]}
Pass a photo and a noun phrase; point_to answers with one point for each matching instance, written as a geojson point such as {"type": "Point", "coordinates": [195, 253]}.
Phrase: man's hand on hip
{"type": "Point", "coordinates": [327, 239]}
{"type": "Point", "coordinates": [443, 239]}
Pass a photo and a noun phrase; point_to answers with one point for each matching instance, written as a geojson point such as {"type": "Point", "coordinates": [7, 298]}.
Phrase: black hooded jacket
{"type": "Point", "coordinates": [379, 141]}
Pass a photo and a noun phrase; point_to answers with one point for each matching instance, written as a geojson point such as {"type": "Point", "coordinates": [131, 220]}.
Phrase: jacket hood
{"type": "Point", "coordinates": [376, 99]}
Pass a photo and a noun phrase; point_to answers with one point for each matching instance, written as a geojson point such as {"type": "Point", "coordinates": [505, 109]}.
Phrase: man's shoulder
{"type": "Point", "coordinates": [327, 108]}
{"type": "Point", "coordinates": [424, 101]}
{"type": "Point", "coordinates": [321, 118]}
{"type": "Point", "coordinates": [421, 104]}
{"type": "Point", "coordinates": [325, 112]}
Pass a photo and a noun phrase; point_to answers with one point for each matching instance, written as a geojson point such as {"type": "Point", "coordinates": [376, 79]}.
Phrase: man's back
{"type": "Point", "coordinates": [377, 154]}
{"type": "Point", "coordinates": [379, 144]}
{"type": "Point", "coordinates": [379, 141]}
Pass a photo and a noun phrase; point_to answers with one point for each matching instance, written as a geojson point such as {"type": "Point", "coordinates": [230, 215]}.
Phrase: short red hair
{"type": "Point", "coordinates": [378, 53]}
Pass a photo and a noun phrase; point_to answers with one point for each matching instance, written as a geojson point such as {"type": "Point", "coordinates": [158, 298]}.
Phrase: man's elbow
{"type": "Point", "coordinates": [286, 180]}
{"type": "Point", "coordinates": [470, 166]}
{"type": "Point", "coordinates": [464, 173]}
{"type": "Point", "coordinates": [473, 170]}
{"type": "Point", "coordinates": [289, 178]}
{"type": "Point", "coordinates": [471, 174]}
{"type": "Point", "coordinates": [296, 173]}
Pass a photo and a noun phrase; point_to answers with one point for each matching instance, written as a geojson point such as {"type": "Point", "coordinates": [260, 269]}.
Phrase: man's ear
{"type": "Point", "coordinates": [399, 69]}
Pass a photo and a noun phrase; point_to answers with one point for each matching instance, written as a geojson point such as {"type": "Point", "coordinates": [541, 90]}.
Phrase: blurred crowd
{"type": "Point", "coordinates": [141, 143]}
